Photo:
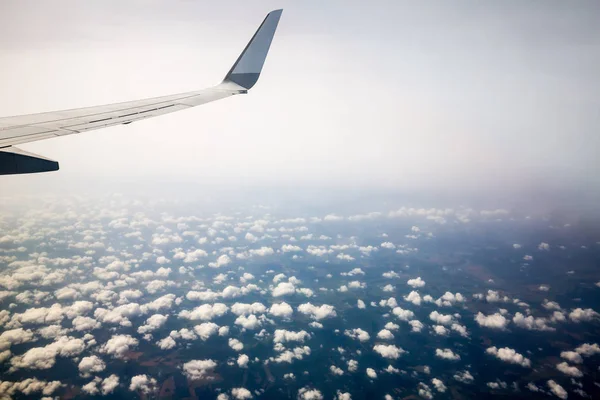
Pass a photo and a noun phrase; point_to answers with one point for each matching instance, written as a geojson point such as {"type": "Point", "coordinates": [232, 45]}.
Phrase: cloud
{"type": "Point", "coordinates": [282, 309]}
{"type": "Point", "coordinates": [118, 345]}
{"type": "Point", "coordinates": [309, 394]}
{"type": "Point", "coordinates": [241, 393]}
{"type": "Point", "coordinates": [284, 336]}
{"type": "Point", "coordinates": [416, 283]}
{"type": "Point", "coordinates": [389, 351]}
{"type": "Point", "coordinates": [587, 350]}
{"type": "Point", "coordinates": [416, 326]}
{"type": "Point", "coordinates": [143, 383]}
{"type": "Point", "coordinates": [90, 365]}
{"type": "Point", "coordinates": [358, 333]}
{"type": "Point", "coordinates": [442, 319]}
{"type": "Point", "coordinates": [352, 365]}
{"type": "Point", "coordinates": [531, 323]}
{"type": "Point", "coordinates": [403, 314]}
{"type": "Point", "coordinates": [167, 343]}
{"type": "Point", "coordinates": [283, 289]}
{"type": "Point", "coordinates": [236, 344]}
{"type": "Point", "coordinates": [439, 385]}
{"type": "Point", "coordinates": [464, 377]}
{"type": "Point", "coordinates": [199, 369]}
{"type": "Point", "coordinates": [509, 355]}
{"type": "Point", "coordinates": [15, 336]}
{"type": "Point", "coordinates": [242, 361]}
{"type": "Point", "coordinates": [385, 334]}
{"type": "Point", "coordinates": [425, 391]}
{"type": "Point", "coordinates": [206, 329]}
{"type": "Point", "coordinates": [390, 275]}
{"type": "Point", "coordinates": [446, 354]}
{"type": "Point", "coordinates": [571, 371]}
{"type": "Point", "coordinates": [572, 356]}
{"type": "Point", "coordinates": [317, 312]}
{"type": "Point", "coordinates": [205, 312]}
{"type": "Point", "coordinates": [361, 304]}
{"type": "Point", "coordinates": [250, 322]}
{"type": "Point", "coordinates": [288, 356]}
{"type": "Point", "coordinates": [413, 297]}
{"type": "Point", "coordinates": [153, 323]}
{"type": "Point", "coordinates": [494, 321]}
{"type": "Point", "coordinates": [371, 373]}
{"type": "Point", "coordinates": [580, 315]}
{"type": "Point", "coordinates": [336, 370]}
{"type": "Point", "coordinates": [246, 309]}
{"type": "Point", "coordinates": [557, 390]}
{"type": "Point", "coordinates": [544, 246]}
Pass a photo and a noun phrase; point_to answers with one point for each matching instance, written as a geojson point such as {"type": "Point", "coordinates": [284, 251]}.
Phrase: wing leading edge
{"type": "Point", "coordinates": [28, 128]}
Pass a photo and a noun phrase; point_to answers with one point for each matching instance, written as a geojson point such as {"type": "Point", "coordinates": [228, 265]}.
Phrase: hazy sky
{"type": "Point", "coordinates": [363, 94]}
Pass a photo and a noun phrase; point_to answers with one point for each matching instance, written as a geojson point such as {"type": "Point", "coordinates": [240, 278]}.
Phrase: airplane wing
{"type": "Point", "coordinates": [28, 128]}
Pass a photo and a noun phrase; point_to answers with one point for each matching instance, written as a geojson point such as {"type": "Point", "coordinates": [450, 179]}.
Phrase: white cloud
{"type": "Point", "coordinates": [352, 365]}
{"type": "Point", "coordinates": [166, 343]}
{"type": "Point", "coordinates": [143, 383]}
{"type": "Point", "coordinates": [357, 333]}
{"type": "Point", "coordinates": [580, 315]}
{"type": "Point", "coordinates": [242, 361]}
{"type": "Point", "coordinates": [283, 289]}
{"type": "Point", "coordinates": [199, 369]}
{"type": "Point", "coordinates": [587, 350]}
{"type": "Point", "coordinates": [246, 309]}
{"type": "Point", "coordinates": [413, 297]}
{"type": "Point", "coordinates": [509, 355]}
{"type": "Point", "coordinates": [544, 246]}
{"type": "Point", "coordinates": [241, 393]}
{"type": "Point", "coordinates": [153, 323]}
{"type": "Point", "coordinates": [361, 304]}
{"type": "Point", "coordinates": [205, 312]}
{"type": "Point", "coordinates": [385, 334]}
{"type": "Point", "coordinates": [336, 370]}
{"type": "Point", "coordinates": [531, 323]}
{"type": "Point", "coordinates": [206, 329]}
{"type": "Point", "coordinates": [446, 354]}
{"type": "Point", "coordinates": [494, 321]}
{"type": "Point", "coordinates": [118, 345]}
{"type": "Point", "coordinates": [572, 357]}
{"type": "Point", "coordinates": [309, 394]}
{"type": "Point", "coordinates": [250, 322]}
{"type": "Point", "coordinates": [15, 336]}
{"type": "Point", "coordinates": [571, 371]}
{"type": "Point", "coordinates": [464, 377]}
{"type": "Point", "coordinates": [90, 365]}
{"type": "Point", "coordinates": [321, 312]}
{"type": "Point", "coordinates": [284, 336]}
{"type": "Point", "coordinates": [288, 356]}
{"type": "Point", "coordinates": [371, 373]}
{"type": "Point", "coordinates": [439, 385]}
{"type": "Point", "coordinates": [236, 344]}
{"type": "Point", "coordinates": [282, 309]}
{"type": "Point", "coordinates": [416, 283]}
{"type": "Point", "coordinates": [387, 245]}
{"type": "Point", "coordinates": [443, 319]}
{"type": "Point", "coordinates": [416, 326]}
{"type": "Point", "coordinates": [403, 314]}
{"type": "Point", "coordinates": [109, 384]}
{"type": "Point", "coordinates": [557, 390]}
{"type": "Point", "coordinates": [388, 351]}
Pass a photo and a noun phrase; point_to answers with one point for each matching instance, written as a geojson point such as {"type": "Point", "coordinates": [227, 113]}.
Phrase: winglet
{"type": "Point", "coordinates": [246, 70]}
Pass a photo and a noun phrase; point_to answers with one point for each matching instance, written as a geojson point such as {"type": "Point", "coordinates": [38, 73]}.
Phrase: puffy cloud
{"type": "Point", "coordinates": [109, 384]}
{"type": "Point", "coordinates": [343, 396]}
{"type": "Point", "coordinates": [446, 354]}
{"type": "Point", "coordinates": [143, 383]}
{"type": "Point", "coordinates": [580, 315]}
{"type": "Point", "coordinates": [416, 326]}
{"type": "Point", "coordinates": [442, 319]}
{"type": "Point", "coordinates": [416, 282]}
{"type": "Point", "coordinates": [357, 333]}
{"type": "Point", "coordinates": [439, 385]}
{"type": "Point", "coordinates": [413, 297]}
{"type": "Point", "coordinates": [199, 369]}
{"type": "Point", "coordinates": [250, 322]}
{"type": "Point", "coordinates": [236, 344]}
{"type": "Point", "coordinates": [242, 361]}
{"type": "Point", "coordinates": [403, 314]}
{"type": "Point", "coordinates": [566, 369]}
{"type": "Point", "coordinates": [28, 387]}
{"type": "Point", "coordinates": [388, 351]}
{"type": "Point", "coordinates": [588, 350]}
{"type": "Point", "coordinates": [449, 299]}
{"type": "Point", "coordinates": [246, 309]}
{"type": "Point", "coordinates": [309, 394]}
{"type": "Point", "coordinates": [284, 336]}
{"type": "Point", "coordinates": [440, 330]}
{"type": "Point", "coordinates": [388, 288]}
{"type": "Point", "coordinates": [206, 329]}
{"type": "Point", "coordinates": [321, 312]}
{"type": "Point", "coordinates": [361, 304]}
{"type": "Point", "coordinates": [371, 373]}
{"type": "Point", "coordinates": [392, 326]}
{"type": "Point", "coordinates": [531, 323]}
{"type": "Point", "coordinates": [118, 345]}
{"type": "Point", "coordinates": [205, 312]}
{"type": "Point", "coordinates": [119, 315]}
{"type": "Point", "coordinates": [390, 275]}
{"type": "Point", "coordinates": [425, 391]}
{"type": "Point", "coordinates": [45, 357]}
{"type": "Point", "coordinates": [464, 377]}
{"type": "Point", "coordinates": [281, 310]}
{"type": "Point", "coordinates": [15, 336]}
{"type": "Point", "coordinates": [90, 365]}
{"type": "Point", "coordinates": [544, 246]}
{"type": "Point", "coordinates": [352, 365]}
{"type": "Point", "coordinates": [385, 334]}
{"type": "Point", "coordinates": [287, 248]}
{"type": "Point", "coordinates": [494, 321]}
{"type": "Point", "coordinates": [461, 329]}
{"type": "Point", "coordinates": [153, 323]}
{"type": "Point", "coordinates": [336, 370]}
{"type": "Point", "coordinates": [83, 324]}
{"type": "Point", "coordinates": [283, 289]}
{"type": "Point", "coordinates": [288, 356]}
{"type": "Point", "coordinates": [557, 390]}
{"type": "Point", "coordinates": [166, 343]}
{"type": "Point", "coordinates": [509, 355]}
{"type": "Point", "coordinates": [241, 393]}
{"type": "Point", "coordinates": [572, 356]}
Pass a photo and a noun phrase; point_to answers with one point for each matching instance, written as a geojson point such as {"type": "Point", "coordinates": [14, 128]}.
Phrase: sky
{"type": "Point", "coordinates": [490, 96]}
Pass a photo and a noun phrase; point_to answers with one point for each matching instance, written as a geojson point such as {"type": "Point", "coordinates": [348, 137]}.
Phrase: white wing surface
{"type": "Point", "coordinates": [28, 128]}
